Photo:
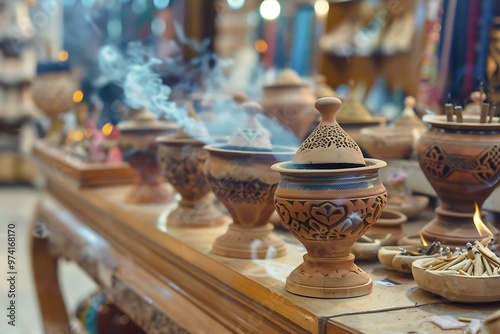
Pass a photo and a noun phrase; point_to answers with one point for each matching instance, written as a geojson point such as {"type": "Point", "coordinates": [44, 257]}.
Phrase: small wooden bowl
{"type": "Point", "coordinates": [411, 207]}
{"type": "Point", "coordinates": [391, 218]}
{"type": "Point", "coordinates": [392, 259]}
{"type": "Point", "coordinates": [364, 250]}
{"type": "Point", "coordinates": [457, 288]}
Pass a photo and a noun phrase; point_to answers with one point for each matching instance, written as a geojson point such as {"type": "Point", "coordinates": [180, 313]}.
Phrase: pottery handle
{"type": "Point", "coordinates": [328, 107]}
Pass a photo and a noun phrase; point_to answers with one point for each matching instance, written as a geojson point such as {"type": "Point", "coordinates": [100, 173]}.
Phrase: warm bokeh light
{"type": "Point", "coordinates": [480, 226]}
{"type": "Point", "coordinates": [261, 46]}
{"type": "Point", "coordinates": [321, 7]}
{"type": "Point", "coordinates": [77, 96]}
{"type": "Point", "coordinates": [88, 133]}
{"type": "Point", "coordinates": [107, 129]}
{"type": "Point", "coordinates": [423, 239]}
{"type": "Point", "coordinates": [77, 135]}
{"type": "Point", "coordinates": [270, 9]}
{"type": "Point", "coordinates": [63, 55]}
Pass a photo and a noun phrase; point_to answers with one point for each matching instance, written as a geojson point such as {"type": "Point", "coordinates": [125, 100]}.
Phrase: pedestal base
{"type": "Point", "coordinates": [249, 243]}
{"type": "Point", "coordinates": [203, 215]}
{"type": "Point", "coordinates": [329, 278]}
{"type": "Point", "coordinates": [454, 229]}
{"type": "Point", "coordinates": [150, 193]}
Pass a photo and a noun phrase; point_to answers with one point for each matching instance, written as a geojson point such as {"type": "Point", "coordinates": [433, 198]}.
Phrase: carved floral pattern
{"type": "Point", "coordinates": [327, 136]}
{"type": "Point", "coordinates": [485, 166]}
{"type": "Point", "coordinates": [183, 167]}
{"type": "Point", "coordinates": [335, 219]}
{"type": "Point", "coordinates": [251, 191]}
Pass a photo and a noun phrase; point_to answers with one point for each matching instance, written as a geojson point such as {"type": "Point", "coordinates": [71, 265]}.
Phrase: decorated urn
{"type": "Point", "coordinates": [52, 91]}
{"type": "Point", "coordinates": [181, 159]}
{"type": "Point", "coordinates": [139, 148]}
{"type": "Point", "coordinates": [289, 101]}
{"type": "Point", "coordinates": [240, 175]}
{"type": "Point", "coordinates": [462, 163]}
{"type": "Point", "coordinates": [328, 197]}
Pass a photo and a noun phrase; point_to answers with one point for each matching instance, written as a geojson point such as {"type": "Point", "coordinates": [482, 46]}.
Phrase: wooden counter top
{"type": "Point", "coordinates": [238, 295]}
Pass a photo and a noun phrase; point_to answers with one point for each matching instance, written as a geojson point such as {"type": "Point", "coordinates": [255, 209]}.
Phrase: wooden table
{"type": "Point", "coordinates": [168, 281]}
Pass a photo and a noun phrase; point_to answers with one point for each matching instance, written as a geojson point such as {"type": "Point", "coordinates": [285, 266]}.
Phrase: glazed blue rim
{"type": "Point", "coordinates": [287, 167]}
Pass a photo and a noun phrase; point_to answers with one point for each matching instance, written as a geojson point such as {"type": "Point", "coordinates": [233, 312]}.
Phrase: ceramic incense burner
{"type": "Point", "coordinates": [328, 197]}
{"type": "Point", "coordinates": [139, 148]}
{"type": "Point", "coordinates": [52, 92]}
{"type": "Point", "coordinates": [181, 159]}
{"type": "Point", "coordinates": [239, 174]}
{"type": "Point", "coordinates": [462, 163]}
{"type": "Point", "coordinates": [289, 101]}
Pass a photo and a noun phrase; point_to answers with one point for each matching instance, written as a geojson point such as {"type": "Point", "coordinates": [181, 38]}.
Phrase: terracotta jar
{"type": "Point", "coordinates": [290, 101]}
{"type": "Point", "coordinates": [462, 163]}
{"type": "Point", "coordinates": [139, 148]}
{"type": "Point", "coordinates": [240, 176]}
{"type": "Point", "coordinates": [52, 93]}
{"type": "Point", "coordinates": [393, 142]}
{"type": "Point", "coordinates": [181, 159]}
{"type": "Point", "coordinates": [328, 197]}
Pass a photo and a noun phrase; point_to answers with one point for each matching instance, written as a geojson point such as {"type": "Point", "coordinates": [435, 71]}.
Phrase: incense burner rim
{"type": "Point", "coordinates": [469, 123]}
{"type": "Point", "coordinates": [287, 167]}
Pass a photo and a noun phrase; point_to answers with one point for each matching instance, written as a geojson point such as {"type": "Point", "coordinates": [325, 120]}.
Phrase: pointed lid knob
{"type": "Point", "coordinates": [353, 110]}
{"type": "Point", "coordinates": [329, 144]}
{"type": "Point", "coordinates": [288, 77]}
{"type": "Point", "coordinates": [252, 135]}
{"type": "Point", "coordinates": [194, 126]}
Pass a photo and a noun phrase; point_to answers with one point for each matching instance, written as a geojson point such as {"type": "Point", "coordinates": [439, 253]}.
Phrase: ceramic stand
{"type": "Point", "coordinates": [195, 214]}
{"type": "Point", "coordinates": [453, 228]}
{"type": "Point", "coordinates": [147, 190]}
{"type": "Point", "coordinates": [249, 243]}
{"type": "Point", "coordinates": [329, 278]}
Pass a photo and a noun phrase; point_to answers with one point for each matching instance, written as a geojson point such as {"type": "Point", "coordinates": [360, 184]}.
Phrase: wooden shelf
{"type": "Point", "coordinates": [165, 264]}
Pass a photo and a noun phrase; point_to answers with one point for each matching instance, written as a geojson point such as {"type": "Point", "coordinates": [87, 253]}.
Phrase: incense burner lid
{"type": "Point", "coordinates": [252, 135]}
{"type": "Point", "coordinates": [329, 143]}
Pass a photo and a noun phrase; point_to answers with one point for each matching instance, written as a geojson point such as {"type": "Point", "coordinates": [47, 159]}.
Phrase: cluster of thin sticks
{"type": "Point", "coordinates": [477, 259]}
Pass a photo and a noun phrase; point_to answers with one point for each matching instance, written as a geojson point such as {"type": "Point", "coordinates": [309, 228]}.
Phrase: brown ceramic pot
{"type": "Point", "coordinates": [245, 184]}
{"type": "Point", "coordinates": [386, 142]}
{"type": "Point", "coordinates": [181, 160]}
{"type": "Point", "coordinates": [290, 102]}
{"type": "Point", "coordinates": [462, 163]}
{"type": "Point", "coordinates": [327, 210]}
{"type": "Point", "coordinates": [52, 93]}
{"type": "Point", "coordinates": [139, 148]}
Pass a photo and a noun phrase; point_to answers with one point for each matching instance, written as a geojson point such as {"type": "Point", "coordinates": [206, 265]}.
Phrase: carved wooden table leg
{"type": "Point", "coordinates": [53, 311]}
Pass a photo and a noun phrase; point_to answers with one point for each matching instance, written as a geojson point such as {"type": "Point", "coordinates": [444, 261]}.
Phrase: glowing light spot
{"type": "Point", "coordinates": [270, 9]}
{"type": "Point", "coordinates": [107, 129]}
{"type": "Point", "coordinates": [77, 96]}
{"type": "Point", "coordinates": [235, 4]}
{"type": "Point", "coordinates": [77, 135]}
{"type": "Point", "coordinates": [261, 46]}
{"type": "Point", "coordinates": [114, 28]}
{"type": "Point", "coordinates": [321, 7]}
{"type": "Point", "coordinates": [158, 26]}
{"type": "Point", "coordinates": [63, 55]}
{"type": "Point", "coordinates": [161, 4]}
{"type": "Point", "coordinates": [88, 133]}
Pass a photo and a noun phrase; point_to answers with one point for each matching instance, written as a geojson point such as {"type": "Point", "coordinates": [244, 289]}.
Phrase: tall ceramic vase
{"type": "Point", "coordinates": [462, 163]}
{"type": "Point", "coordinates": [139, 148]}
{"type": "Point", "coordinates": [328, 197]}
